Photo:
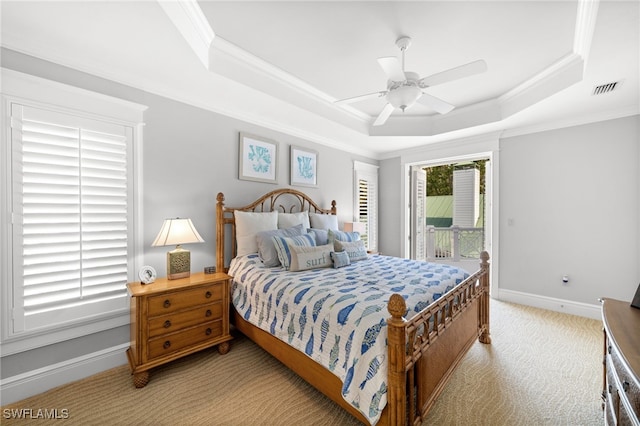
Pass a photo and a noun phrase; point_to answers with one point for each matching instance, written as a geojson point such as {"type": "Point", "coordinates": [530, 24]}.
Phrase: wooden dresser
{"type": "Point", "coordinates": [174, 318]}
{"type": "Point", "coordinates": [621, 393]}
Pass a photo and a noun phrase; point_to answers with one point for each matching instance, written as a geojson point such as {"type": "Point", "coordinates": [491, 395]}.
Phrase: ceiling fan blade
{"type": "Point", "coordinates": [475, 67]}
{"type": "Point", "coordinates": [386, 112]}
{"type": "Point", "coordinates": [392, 68]}
{"type": "Point", "coordinates": [436, 104]}
{"type": "Point", "coordinates": [362, 97]}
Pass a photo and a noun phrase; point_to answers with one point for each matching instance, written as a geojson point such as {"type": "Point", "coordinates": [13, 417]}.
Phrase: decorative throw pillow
{"type": "Point", "coordinates": [340, 259]}
{"type": "Point", "coordinates": [323, 221]}
{"type": "Point", "coordinates": [287, 220]}
{"type": "Point", "coordinates": [248, 224]}
{"type": "Point", "coordinates": [266, 247]}
{"type": "Point", "coordinates": [355, 249]}
{"type": "Point", "coordinates": [342, 236]}
{"type": "Point", "coordinates": [303, 258]}
{"type": "Point", "coordinates": [284, 244]}
{"type": "Point", "coordinates": [322, 236]}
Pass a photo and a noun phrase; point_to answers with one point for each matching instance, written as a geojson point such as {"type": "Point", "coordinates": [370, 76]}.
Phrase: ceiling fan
{"type": "Point", "coordinates": [405, 88]}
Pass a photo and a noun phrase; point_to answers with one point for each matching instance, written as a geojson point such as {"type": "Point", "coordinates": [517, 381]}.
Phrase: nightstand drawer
{"type": "Point", "coordinates": [163, 345]}
{"type": "Point", "coordinates": [171, 302]}
{"type": "Point", "coordinates": [176, 321]}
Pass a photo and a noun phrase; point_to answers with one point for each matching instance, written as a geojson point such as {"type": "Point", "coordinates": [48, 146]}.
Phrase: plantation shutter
{"type": "Point", "coordinates": [366, 178]}
{"type": "Point", "coordinates": [418, 213]}
{"type": "Point", "coordinates": [70, 216]}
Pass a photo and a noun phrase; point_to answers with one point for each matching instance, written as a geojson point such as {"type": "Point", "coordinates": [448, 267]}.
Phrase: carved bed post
{"type": "Point", "coordinates": [485, 337]}
{"type": "Point", "coordinates": [397, 391]}
{"type": "Point", "coordinates": [220, 232]}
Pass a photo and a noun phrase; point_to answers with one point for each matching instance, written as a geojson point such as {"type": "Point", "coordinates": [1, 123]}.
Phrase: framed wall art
{"type": "Point", "coordinates": [304, 166]}
{"type": "Point", "coordinates": [258, 159]}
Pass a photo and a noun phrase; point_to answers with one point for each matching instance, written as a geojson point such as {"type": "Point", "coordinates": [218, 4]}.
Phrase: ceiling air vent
{"type": "Point", "coordinates": [604, 88]}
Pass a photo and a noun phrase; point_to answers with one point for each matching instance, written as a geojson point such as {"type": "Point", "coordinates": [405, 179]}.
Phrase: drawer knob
{"type": "Point", "coordinates": [167, 324]}
{"type": "Point", "coordinates": [208, 294]}
{"type": "Point", "coordinates": [167, 344]}
{"type": "Point", "coordinates": [208, 313]}
{"type": "Point", "coordinates": [167, 303]}
{"type": "Point", "coordinates": [209, 331]}
{"type": "Point", "coordinates": [625, 386]}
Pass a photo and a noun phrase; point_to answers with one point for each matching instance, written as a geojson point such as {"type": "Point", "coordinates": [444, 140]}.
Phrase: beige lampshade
{"type": "Point", "coordinates": [360, 227]}
{"type": "Point", "coordinates": [176, 232]}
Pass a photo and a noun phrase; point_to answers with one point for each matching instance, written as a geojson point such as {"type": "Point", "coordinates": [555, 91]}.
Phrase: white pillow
{"type": "Point", "coordinates": [289, 220]}
{"type": "Point", "coordinates": [248, 224]}
{"type": "Point", "coordinates": [324, 221]}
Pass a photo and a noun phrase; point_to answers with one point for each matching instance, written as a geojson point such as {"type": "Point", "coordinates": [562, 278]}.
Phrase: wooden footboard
{"type": "Point", "coordinates": [425, 350]}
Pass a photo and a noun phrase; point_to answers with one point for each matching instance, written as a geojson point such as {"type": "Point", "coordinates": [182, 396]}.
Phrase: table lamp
{"type": "Point", "coordinates": [177, 231]}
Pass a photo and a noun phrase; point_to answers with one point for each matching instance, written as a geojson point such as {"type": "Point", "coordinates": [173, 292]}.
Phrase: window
{"type": "Point", "coordinates": [72, 212]}
{"type": "Point", "coordinates": [366, 201]}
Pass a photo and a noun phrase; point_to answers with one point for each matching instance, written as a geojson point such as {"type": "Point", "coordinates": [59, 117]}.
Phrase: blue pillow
{"type": "Point", "coordinates": [342, 236]}
{"type": "Point", "coordinates": [322, 236]}
{"type": "Point", "coordinates": [266, 247]}
{"type": "Point", "coordinates": [340, 259]}
{"type": "Point", "coordinates": [283, 246]}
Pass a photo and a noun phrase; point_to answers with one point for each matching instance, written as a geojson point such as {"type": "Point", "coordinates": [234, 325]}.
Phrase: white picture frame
{"type": "Point", "coordinates": [258, 159]}
{"type": "Point", "coordinates": [304, 166]}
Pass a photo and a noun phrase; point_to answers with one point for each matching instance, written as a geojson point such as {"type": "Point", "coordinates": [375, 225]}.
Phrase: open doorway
{"type": "Point", "coordinates": [450, 210]}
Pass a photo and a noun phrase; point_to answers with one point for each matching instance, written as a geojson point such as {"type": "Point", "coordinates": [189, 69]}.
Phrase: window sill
{"type": "Point", "coordinates": [44, 337]}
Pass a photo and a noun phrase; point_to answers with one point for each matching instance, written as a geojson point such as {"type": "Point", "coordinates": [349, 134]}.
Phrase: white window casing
{"type": "Point", "coordinates": [69, 210]}
{"type": "Point", "coordinates": [366, 201]}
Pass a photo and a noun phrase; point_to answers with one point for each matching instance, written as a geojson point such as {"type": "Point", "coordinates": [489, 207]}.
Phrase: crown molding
{"type": "Point", "coordinates": [585, 26]}
{"type": "Point", "coordinates": [190, 21]}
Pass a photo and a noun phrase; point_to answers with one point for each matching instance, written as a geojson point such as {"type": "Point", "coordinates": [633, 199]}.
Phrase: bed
{"type": "Point", "coordinates": [384, 366]}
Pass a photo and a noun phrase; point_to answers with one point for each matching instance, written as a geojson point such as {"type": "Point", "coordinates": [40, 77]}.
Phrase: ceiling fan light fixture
{"type": "Point", "coordinates": [404, 96]}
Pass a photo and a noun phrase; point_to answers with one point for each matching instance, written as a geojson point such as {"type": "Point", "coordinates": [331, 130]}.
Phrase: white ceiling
{"type": "Point", "coordinates": [283, 64]}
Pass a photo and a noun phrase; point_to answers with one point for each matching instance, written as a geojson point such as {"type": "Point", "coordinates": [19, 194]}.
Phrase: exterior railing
{"type": "Point", "coordinates": [455, 243]}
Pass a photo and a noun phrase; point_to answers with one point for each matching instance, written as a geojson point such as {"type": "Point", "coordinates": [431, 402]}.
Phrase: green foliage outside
{"type": "Point", "coordinates": [440, 178]}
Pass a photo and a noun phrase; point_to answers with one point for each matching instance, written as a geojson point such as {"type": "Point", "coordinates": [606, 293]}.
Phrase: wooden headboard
{"type": "Point", "coordinates": [286, 200]}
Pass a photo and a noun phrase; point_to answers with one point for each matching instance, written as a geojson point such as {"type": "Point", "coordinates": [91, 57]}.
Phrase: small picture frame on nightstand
{"type": "Point", "coordinates": [147, 275]}
{"type": "Point", "coordinates": [636, 299]}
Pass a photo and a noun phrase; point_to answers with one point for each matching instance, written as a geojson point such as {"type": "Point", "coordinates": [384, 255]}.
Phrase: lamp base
{"type": "Point", "coordinates": [178, 263]}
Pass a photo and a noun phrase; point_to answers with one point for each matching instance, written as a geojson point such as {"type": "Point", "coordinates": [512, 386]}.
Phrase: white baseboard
{"type": "Point", "coordinates": [25, 385]}
{"type": "Point", "coordinates": [550, 303]}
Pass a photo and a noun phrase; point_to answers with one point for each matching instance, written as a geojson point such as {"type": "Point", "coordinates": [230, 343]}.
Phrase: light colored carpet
{"type": "Point", "coordinates": [543, 368]}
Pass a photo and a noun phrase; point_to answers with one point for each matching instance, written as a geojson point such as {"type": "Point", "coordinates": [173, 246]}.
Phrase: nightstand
{"type": "Point", "coordinates": [174, 318]}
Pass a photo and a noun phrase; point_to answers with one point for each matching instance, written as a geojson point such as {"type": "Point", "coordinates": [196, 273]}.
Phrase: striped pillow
{"type": "Point", "coordinates": [342, 236]}
{"type": "Point", "coordinates": [283, 246]}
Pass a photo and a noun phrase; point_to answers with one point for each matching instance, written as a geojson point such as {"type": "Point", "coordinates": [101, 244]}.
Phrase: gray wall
{"type": "Point", "coordinates": [189, 155]}
{"type": "Point", "coordinates": [569, 204]}
{"type": "Point", "coordinates": [390, 229]}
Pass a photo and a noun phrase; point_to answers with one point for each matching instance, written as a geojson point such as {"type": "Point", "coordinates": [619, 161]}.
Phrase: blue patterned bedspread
{"type": "Point", "coordinates": [338, 316]}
